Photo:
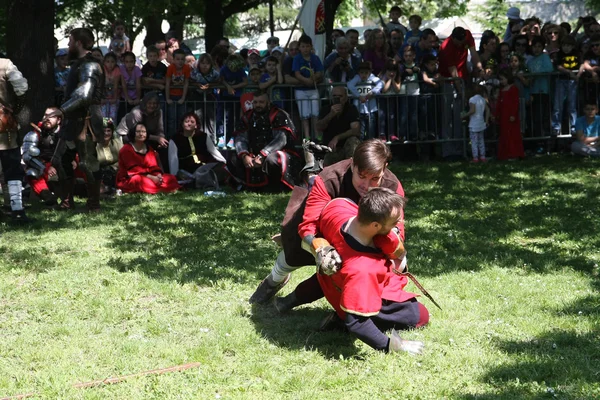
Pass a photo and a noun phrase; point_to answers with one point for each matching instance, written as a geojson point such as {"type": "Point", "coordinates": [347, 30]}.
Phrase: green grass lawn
{"type": "Point", "coordinates": [509, 250]}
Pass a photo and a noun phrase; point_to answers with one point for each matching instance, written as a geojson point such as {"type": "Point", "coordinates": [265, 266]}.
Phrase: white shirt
{"type": "Point", "coordinates": [477, 121]}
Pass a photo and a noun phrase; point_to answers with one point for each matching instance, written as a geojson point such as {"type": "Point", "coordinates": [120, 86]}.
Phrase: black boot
{"type": "Point", "coordinates": [67, 201]}
{"type": "Point", "coordinates": [93, 202]}
{"type": "Point", "coordinates": [47, 197]}
{"type": "Point", "coordinates": [285, 304]}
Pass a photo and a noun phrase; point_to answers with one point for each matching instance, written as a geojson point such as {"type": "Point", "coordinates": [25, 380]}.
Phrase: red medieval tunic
{"type": "Point", "coordinates": [133, 168]}
{"type": "Point", "coordinates": [365, 279]}
{"type": "Point", "coordinates": [510, 142]}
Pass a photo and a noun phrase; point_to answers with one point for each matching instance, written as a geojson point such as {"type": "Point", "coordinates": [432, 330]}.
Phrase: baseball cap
{"type": "Point", "coordinates": [61, 52]}
{"type": "Point", "coordinates": [253, 51]}
{"type": "Point", "coordinates": [278, 48]}
{"type": "Point", "coordinates": [459, 33]}
{"type": "Point", "coordinates": [513, 13]}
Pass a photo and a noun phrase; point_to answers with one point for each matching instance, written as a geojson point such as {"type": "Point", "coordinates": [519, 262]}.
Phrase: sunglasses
{"type": "Point", "coordinates": [553, 33]}
{"type": "Point", "coordinates": [595, 45]}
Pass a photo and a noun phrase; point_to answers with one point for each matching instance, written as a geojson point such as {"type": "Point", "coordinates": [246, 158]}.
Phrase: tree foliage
{"type": "Point", "coordinates": [491, 15]}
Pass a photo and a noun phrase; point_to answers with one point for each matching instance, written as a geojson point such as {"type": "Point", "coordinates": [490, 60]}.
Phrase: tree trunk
{"type": "Point", "coordinates": [213, 24]}
{"type": "Point", "coordinates": [331, 7]}
{"type": "Point", "coordinates": [29, 44]}
{"type": "Point", "coordinates": [153, 30]}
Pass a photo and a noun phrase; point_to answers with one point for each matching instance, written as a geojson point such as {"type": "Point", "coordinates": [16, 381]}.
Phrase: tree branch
{"type": "Point", "coordinates": [240, 6]}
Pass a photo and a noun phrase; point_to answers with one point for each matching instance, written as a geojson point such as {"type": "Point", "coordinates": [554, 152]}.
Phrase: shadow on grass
{"type": "Point", "coordinates": [297, 330]}
{"type": "Point", "coordinates": [551, 365]}
{"type": "Point", "coordinates": [188, 237]}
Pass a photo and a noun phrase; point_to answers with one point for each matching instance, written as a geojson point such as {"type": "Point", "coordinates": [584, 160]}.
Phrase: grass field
{"type": "Point", "coordinates": [509, 250]}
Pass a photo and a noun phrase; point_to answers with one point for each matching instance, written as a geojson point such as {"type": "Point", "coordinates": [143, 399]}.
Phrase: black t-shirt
{"type": "Point", "coordinates": [339, 124]}
{"type": "Point", "coordinates": [157, 72]}
{"type": "Point", "coordinates": [568, 61]}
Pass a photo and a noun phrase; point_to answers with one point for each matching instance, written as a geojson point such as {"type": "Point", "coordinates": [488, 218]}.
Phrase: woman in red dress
{"type": "Point", "coordinates": [139, 171]}
{"type": "Point", "coordinates": [510, 142]}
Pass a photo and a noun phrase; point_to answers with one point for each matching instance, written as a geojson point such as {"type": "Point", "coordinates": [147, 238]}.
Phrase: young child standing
{"type": "Point", "coordinates": [429, 99]}
{"type": "Point", "coordinates": [364, 87]}
{"type": "Point", "coordinates": [308, 69]}
{"type": "Point", "coordinates": [413, 36]}
{"type": "Point", "coordinates": [112, 79]}
{"type": "Point", "coordinates": [119, 34]}
{"type": "Point", "coordinates": [234, 79]}
{"type": "Point", "coordinates": [395, 14]}
{"type": "Point", "coordinates": [540, 63]}
{"type": "Point", "coordinates": [567, 63]}
{"type": "Point", "coordinates": [131, 83]}
{"type": "Point", "coordinates": [478, 114]}
{"type": "Point", "coordinates": [388, 101]}
{"type": "Point", "coordinates": [510, 142]}
{"type": "Point", "coordinates": [61, 73]}
{"type": "Point", "coordinates": [205, 78]}
{"type": "Point", "coordinates": [273, 76]}
{"type": "Point", "coordinates": [517, 67]}
{"type": "Point", "coordinates": [409, 112]}
{"type": "Point", "coordinates": [154, 72]}
{"type": "Point", "coordinates": [176, 88]}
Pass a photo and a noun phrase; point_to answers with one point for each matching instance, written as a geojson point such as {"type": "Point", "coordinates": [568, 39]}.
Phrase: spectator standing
{"type": "Point", "coordinates": [388, 102]}
{"type": "Point", "coordinates": [376, 50]}
{"type": "Point", "coordinates": [478, 115]}
{"type": "Point", "coordinates": [514, 18]}
{"type": "Point", "coordinates": [112, 80]}
{"type": "Point", "coordinates": [510, 142]}
{"type": "Point", "coordinates": [341, 65]}
{"type": "Point", "coordinates": [413, 36]}
{"type": "Point", "coordinates": [117, 46]}
{"type": "Point", "coordinates": [119, 30]}
{"type": "Point", "coordinates": [364, 87]}
{"type": "Point", "coordinates": [396, 42]}
{"type": "Point", "coordinates": [205, 78]}
{"type": "Point", "coordinates": [61, 73]}
{"type": "Point", "coordinates": [352, 36]}
{"type": "Point", "coordinates": [423, 47]}
{"type": "Point", "coordinates": [409, 94]}
{"type": "Point", "coordinates": [567, 62]}
{"type": "Point", "coordinates": [176, 89]}
{"type": "Point", "coordinates": [453, 64]}
{"type": "Point", "coordinates": [131, 83]}
{"type": "Point", "coordinates": [518, 69]}
{"type": "Point", "coordinates": [171, 47]}
{"type": "Point", "coordinates": [273, 76]}
{"type": "Point", "coordinates": [429, 109]}
{"type": "Point", "coordinates": [395, 14]}
{"type": "Point", "coordinates": [234, 78]}
{"type": "Point", "coordinates": [154, 73]}
{"type": "Point", "coordinates": [148, 113]}
{"type": "Point", "coordinates": [587, 130]}
{"type": "Point", "coordinates": [161, 46]}
{"type": "Point", "coordinates": [591, 68]}
{"type": "Point", "coordinates": [308, 69]}
{"type": "Point", "coordinates": [554, 35]}
{"type": "Point", "coordinates": [540, 65]}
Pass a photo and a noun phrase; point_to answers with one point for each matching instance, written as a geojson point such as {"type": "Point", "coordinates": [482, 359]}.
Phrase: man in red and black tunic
{"type": "Point", "coordinates": [264, 144]}
{"type": "Point", "coordinates": [350, 179]}
{"type": "Point", "coordinates": [365, 293]}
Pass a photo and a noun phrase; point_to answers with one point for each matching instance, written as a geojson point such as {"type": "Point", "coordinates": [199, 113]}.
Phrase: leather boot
{"type": "Point", "coordinates": [67, 201]}
{"type": "Point", "coordinates": [285, 304]}
{"type": "Point", "coordinates": [47, 197]}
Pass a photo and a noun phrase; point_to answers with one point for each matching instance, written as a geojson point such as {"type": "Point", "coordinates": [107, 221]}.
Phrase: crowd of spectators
{"type": "Point", "coordinates": [402, 84]}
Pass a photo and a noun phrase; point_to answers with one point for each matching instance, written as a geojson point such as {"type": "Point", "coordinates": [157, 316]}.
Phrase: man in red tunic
{"type": "Point", "coordinates": [351, 179]}
{"type": "Point", "coordinates": [365, 293]}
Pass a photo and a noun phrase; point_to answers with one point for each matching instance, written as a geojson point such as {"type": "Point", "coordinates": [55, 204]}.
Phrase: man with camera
{"type": "Point", "coordinates": [340, 125]}
{"type": "Point", "coordinates": [341, 65]}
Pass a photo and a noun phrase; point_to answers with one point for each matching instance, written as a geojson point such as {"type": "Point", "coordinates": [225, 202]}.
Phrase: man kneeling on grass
{"type": "Point", "coordinates": [365, 293]}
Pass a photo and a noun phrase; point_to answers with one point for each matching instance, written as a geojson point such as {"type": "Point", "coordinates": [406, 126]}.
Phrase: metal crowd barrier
{"type": "Point", "coordinates": [428, 118]}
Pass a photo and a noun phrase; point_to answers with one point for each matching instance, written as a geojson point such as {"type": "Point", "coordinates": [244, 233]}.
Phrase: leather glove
{"type": "Point", "coordinates": [398, 344]}
{"type": "Point", "coordinates": [326, 257]}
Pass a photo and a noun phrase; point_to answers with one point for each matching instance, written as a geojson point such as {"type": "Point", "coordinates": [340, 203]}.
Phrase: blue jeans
{"type": "Point", "coordinates": [175, 113]}
{"type": "Point", "coordinates": [409, 112]}
{"type": "Point", "coordinates": [566, 90]}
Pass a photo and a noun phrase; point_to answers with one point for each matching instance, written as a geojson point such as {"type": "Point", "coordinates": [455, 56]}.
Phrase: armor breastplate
{"type": "Point", "coordinates": [260, 132]}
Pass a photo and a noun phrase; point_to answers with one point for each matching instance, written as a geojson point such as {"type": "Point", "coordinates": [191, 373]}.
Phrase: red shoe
{"type": "Point", "coordinates": [475, 160]}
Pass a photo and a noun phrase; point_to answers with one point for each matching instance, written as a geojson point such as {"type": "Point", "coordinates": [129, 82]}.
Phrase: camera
{"type": "Point", "coordinates": [335, 100]}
